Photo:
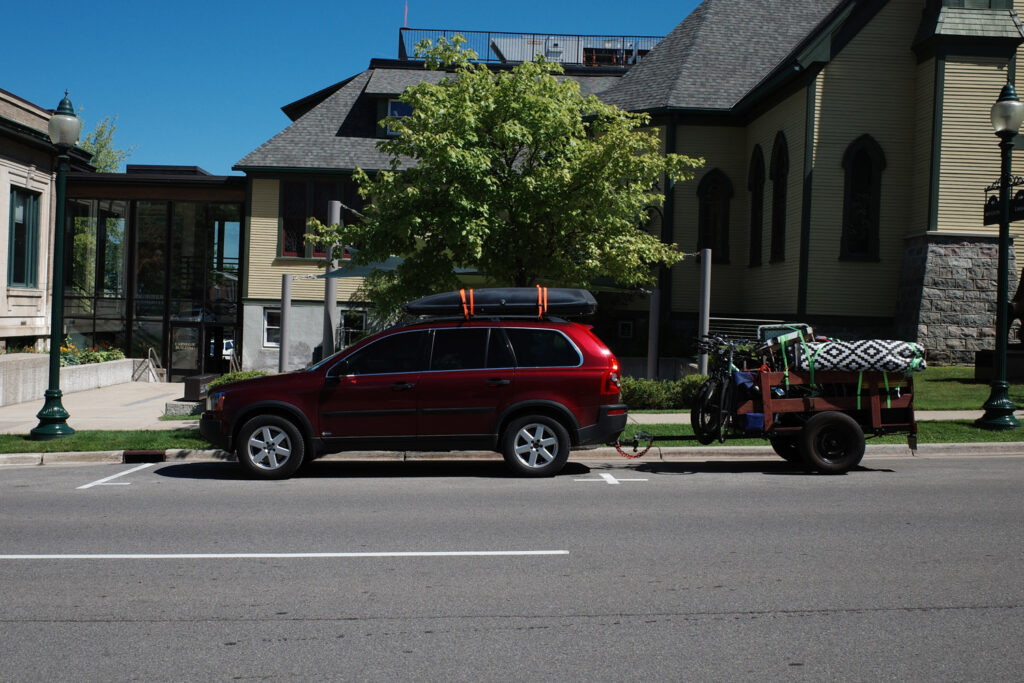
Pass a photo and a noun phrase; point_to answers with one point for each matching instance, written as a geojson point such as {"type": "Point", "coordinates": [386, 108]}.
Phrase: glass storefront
{"type": "Point", "coordinates": [160, 275]}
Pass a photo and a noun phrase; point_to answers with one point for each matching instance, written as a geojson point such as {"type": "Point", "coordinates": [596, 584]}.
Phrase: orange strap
{"type": "Point", "coordinates": [542, 301]}
{"type": "Point", "coordinates": [467, 310]}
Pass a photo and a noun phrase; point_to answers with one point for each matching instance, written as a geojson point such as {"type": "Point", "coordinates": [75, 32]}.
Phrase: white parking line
{"type": "Point", "coordinates": [609, 479]}
{"type": "Point", "coordinates": [101, 482]}
{"type": "Point", "coordinates": [274, 556]}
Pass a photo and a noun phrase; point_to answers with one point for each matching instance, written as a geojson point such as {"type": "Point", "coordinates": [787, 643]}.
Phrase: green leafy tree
{"type": "Point", "coordinates": [513, 174]}
{"type": "Point", "coordinates": [100, 143]}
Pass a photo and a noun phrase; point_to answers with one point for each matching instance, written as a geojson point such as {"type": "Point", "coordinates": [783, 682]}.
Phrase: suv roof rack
{"type": "Point", "coordinates": [504, 302]}
{"type": "Point", "coordinates": [483, 318]}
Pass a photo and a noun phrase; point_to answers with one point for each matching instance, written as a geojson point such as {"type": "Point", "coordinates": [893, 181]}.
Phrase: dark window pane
{"type": "Point", "coordinates": [542, 348]}
{"type": "Point", "coordinates": [293, 218]}
{"type": "Point", "coordinates": [400, 352]}
{"type": "Point", "coordinates": [459, 349]}
{"type": "Point", "coordinates": [498, 353]}
{"type": "Point", "coordinates": [19, 239]}
{"type": "Point", "coordinates": [150, 259]}
{"type": "Point", "coordinates": [322, 194]}
{"type": "Point", "coordinates": [24, 238]}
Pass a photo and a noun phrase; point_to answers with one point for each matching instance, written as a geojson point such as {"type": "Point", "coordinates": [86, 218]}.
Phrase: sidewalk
{"type": "Point", "coordinates": [133, 405]}
{"type": "Point", "coordinates": [921, 415]}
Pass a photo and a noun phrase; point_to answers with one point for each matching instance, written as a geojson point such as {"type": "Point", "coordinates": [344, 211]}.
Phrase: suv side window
{"type": "Point", "coordinates": [539, 348]}
{"type": "Point", "coordinates": [499, 355]}
{"type": "Point", "coordinates": [401, 352]}
{"type": "Point", "coordinates": [470, 349]}
{"type": "Point", "coordinates": [459, 349]}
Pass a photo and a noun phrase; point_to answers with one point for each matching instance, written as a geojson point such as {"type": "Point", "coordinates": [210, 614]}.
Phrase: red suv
{"type": "Point", "coordinates": [489, 379]}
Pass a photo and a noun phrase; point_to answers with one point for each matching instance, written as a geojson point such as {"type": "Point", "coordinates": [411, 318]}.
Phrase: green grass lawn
{"type": "Point", "coordinates": [954, 388]}
{"type": "Point", "coordinates": [156, 439]}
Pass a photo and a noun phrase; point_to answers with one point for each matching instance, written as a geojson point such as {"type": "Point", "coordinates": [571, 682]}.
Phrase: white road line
{"type": "Point", "coordinates": [274, 556]}
{"type": "Point", "coordinates": [609, 479]}
{"type": "Point", "coordinates": [115, 476]}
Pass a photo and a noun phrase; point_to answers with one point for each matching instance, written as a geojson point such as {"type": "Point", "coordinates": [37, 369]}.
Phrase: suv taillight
{"type": "Point", "coordinates": [610, 383]}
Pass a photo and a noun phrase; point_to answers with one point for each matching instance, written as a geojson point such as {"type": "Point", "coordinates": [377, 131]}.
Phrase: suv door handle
{"type": "Point", "coordinates": [402, 386]}
{"type": "Point", "coordinates": [495, 382]}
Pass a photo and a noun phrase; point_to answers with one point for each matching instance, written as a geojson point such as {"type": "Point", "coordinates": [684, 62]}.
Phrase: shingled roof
{"type": "Point", "coordinates": [336, 128]}
{"type": "Point", "coordinates": [718, 54]}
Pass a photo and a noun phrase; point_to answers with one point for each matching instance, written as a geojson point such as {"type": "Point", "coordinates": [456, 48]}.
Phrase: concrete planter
{"type": "Point", "coordinates": [25, 376]}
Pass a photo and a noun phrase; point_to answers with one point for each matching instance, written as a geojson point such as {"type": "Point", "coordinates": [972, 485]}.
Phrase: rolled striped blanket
{"type": "Point", "coordinates": [881, 355]}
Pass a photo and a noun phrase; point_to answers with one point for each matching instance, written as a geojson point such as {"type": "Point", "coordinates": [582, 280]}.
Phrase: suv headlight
{"type": "Point", "coordinates": [215, 401]}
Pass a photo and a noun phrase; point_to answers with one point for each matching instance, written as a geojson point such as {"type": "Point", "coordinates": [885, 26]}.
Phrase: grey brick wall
{"type": "Point", "coordinates": [947, 295]}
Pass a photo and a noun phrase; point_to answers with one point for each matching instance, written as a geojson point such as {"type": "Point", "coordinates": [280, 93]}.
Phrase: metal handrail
{"type": "Point", "coordinates": [584, 50]}
{"type": "Point", "coordinates": [154, 363]}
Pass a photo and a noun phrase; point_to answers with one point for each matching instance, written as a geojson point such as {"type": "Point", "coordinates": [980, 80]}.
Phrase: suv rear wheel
{"type": "Point", "coordinates": [535, 446]}
{"type": "Point", "coordinates": [270, 447]}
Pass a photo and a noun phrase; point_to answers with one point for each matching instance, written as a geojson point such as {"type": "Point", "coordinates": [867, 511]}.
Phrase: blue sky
{"type": "Point", "coordinates": [202, 83]}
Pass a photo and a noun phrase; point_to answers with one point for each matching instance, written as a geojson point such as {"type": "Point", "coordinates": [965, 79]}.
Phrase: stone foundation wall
{"type": "Point", "coordinates": [947, 295]}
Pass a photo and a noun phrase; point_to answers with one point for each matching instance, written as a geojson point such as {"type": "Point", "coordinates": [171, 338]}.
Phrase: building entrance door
{"type": "Point", "coordinates": [217, 348]}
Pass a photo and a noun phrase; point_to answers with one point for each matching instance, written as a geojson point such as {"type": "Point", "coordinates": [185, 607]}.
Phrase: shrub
{"type": "Point", "coordinates": [230, 377]}
{"type": "Point", "coordinates": [72, 355]}
{"type": "Point", "coordinates": [651, 394]}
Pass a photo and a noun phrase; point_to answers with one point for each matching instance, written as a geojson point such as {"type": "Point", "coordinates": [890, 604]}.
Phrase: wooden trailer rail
{"type": "Point", "coordinates": [873, 398]}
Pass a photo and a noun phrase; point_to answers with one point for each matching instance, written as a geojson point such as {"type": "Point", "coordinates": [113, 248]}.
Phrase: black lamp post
{"type": "Point", "coordinates": [64, 128]}
{"type": "Point", "coordinates": [1007, 116]}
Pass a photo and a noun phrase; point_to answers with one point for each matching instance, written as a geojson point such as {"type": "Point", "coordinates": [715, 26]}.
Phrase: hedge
{"type": "Point", "coordinates": [653, 394]}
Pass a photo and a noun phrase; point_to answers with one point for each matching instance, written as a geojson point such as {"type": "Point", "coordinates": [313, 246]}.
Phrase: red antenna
{"type": "Point", "coordinates": [405, 20]}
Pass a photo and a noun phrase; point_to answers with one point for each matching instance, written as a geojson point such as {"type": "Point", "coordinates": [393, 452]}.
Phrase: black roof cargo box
{"type": "Point", "coordinates": [505, 301]}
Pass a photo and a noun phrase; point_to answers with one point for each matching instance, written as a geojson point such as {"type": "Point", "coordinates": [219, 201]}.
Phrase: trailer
{"type": "Point", "coordinates": [816, 418]}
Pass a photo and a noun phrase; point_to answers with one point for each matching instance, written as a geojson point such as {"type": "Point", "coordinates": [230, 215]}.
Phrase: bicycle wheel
{"type": "Point", "coordinates": [706, 414]}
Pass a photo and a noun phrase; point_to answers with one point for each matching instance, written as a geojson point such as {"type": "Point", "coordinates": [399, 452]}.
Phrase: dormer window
{"type": "Point", "coordinates": [398, 110]}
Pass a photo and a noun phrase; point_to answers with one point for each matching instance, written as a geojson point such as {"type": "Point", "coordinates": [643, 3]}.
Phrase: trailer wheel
{"type": "Point", "coordinates": [832, 442]}
{"type": "Point", "coordinates": [787, 447]}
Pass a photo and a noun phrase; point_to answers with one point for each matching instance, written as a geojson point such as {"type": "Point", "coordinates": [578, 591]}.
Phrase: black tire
{"type": "Point", "coordinates": [535, 446]}
{"type": "Point", "coordinates": [788, 448]}
{"type": "Point", "coordinates": [832, 442]}
{"type": "Point", "coordinates": [270, 447]}
{"type": "Point", "coordinates": [705, 414]}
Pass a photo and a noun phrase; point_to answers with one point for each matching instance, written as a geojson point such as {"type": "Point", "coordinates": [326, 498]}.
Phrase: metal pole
{"type": "Point", "coordinates": [286, 305]}
{"type": "Point", "coordinates": [999, 408]}
{"type": "Point", "coordinates": [704, 314]}
{"type": "Point", "coordinates": [53, 417]}
{"type": "Point", "coordinates": [331, 285]}
{"type": "Point", "coordinates": [653, 324]}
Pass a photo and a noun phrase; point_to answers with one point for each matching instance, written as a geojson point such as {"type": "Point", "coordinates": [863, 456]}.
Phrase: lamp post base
{"type": "Point", "coordinates": [998, 409]}
{"type": "Point", "coordinates": [52, 418]}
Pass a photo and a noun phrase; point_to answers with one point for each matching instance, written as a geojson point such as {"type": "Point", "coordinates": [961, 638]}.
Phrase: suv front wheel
{"type": "Point", "coordinates": [535, 446]}
{"type": "Point", "coordinates": [270, 447]}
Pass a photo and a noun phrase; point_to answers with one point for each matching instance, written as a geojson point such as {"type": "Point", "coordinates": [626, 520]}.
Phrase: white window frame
{"type": "Point", "coordinates": [267, 327]}
{"type": "Point", "coordinates": [391, 102]}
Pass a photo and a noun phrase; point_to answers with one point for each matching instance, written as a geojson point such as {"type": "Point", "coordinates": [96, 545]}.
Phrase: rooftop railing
{"type": "Point", "coordinates": [510, 48]}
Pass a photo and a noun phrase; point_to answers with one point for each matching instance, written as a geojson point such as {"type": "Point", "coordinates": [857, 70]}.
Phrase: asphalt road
{"type": "Point", "coordinates": [907, 569]}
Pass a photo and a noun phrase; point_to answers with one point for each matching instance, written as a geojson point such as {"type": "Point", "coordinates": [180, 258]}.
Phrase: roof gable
{"type": "Point", "coordinates": [718, 54]}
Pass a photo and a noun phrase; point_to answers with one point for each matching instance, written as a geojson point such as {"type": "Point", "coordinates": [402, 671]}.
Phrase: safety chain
{"type": "Point", "coordinates": [636, 445]}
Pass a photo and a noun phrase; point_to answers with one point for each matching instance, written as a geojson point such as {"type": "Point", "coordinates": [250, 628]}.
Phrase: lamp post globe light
{"type": "Point", "coordinates": [63, 128]}
{"type": "Point", "coordinates": [1007, 116]}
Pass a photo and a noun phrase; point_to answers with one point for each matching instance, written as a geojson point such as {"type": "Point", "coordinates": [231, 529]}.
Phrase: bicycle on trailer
{"type": "Point", "coordinates": [713, 413]}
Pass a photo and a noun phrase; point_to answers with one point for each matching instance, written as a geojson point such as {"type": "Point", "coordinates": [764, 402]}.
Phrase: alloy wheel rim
{"type": "Point", "coordinates": [269, 448]}
{"type": "Point", "coordinates": [536, 445]}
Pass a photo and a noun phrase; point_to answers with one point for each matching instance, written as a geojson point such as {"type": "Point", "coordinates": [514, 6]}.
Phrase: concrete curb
{"type": "Point", "coordinates": [676, 453]}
